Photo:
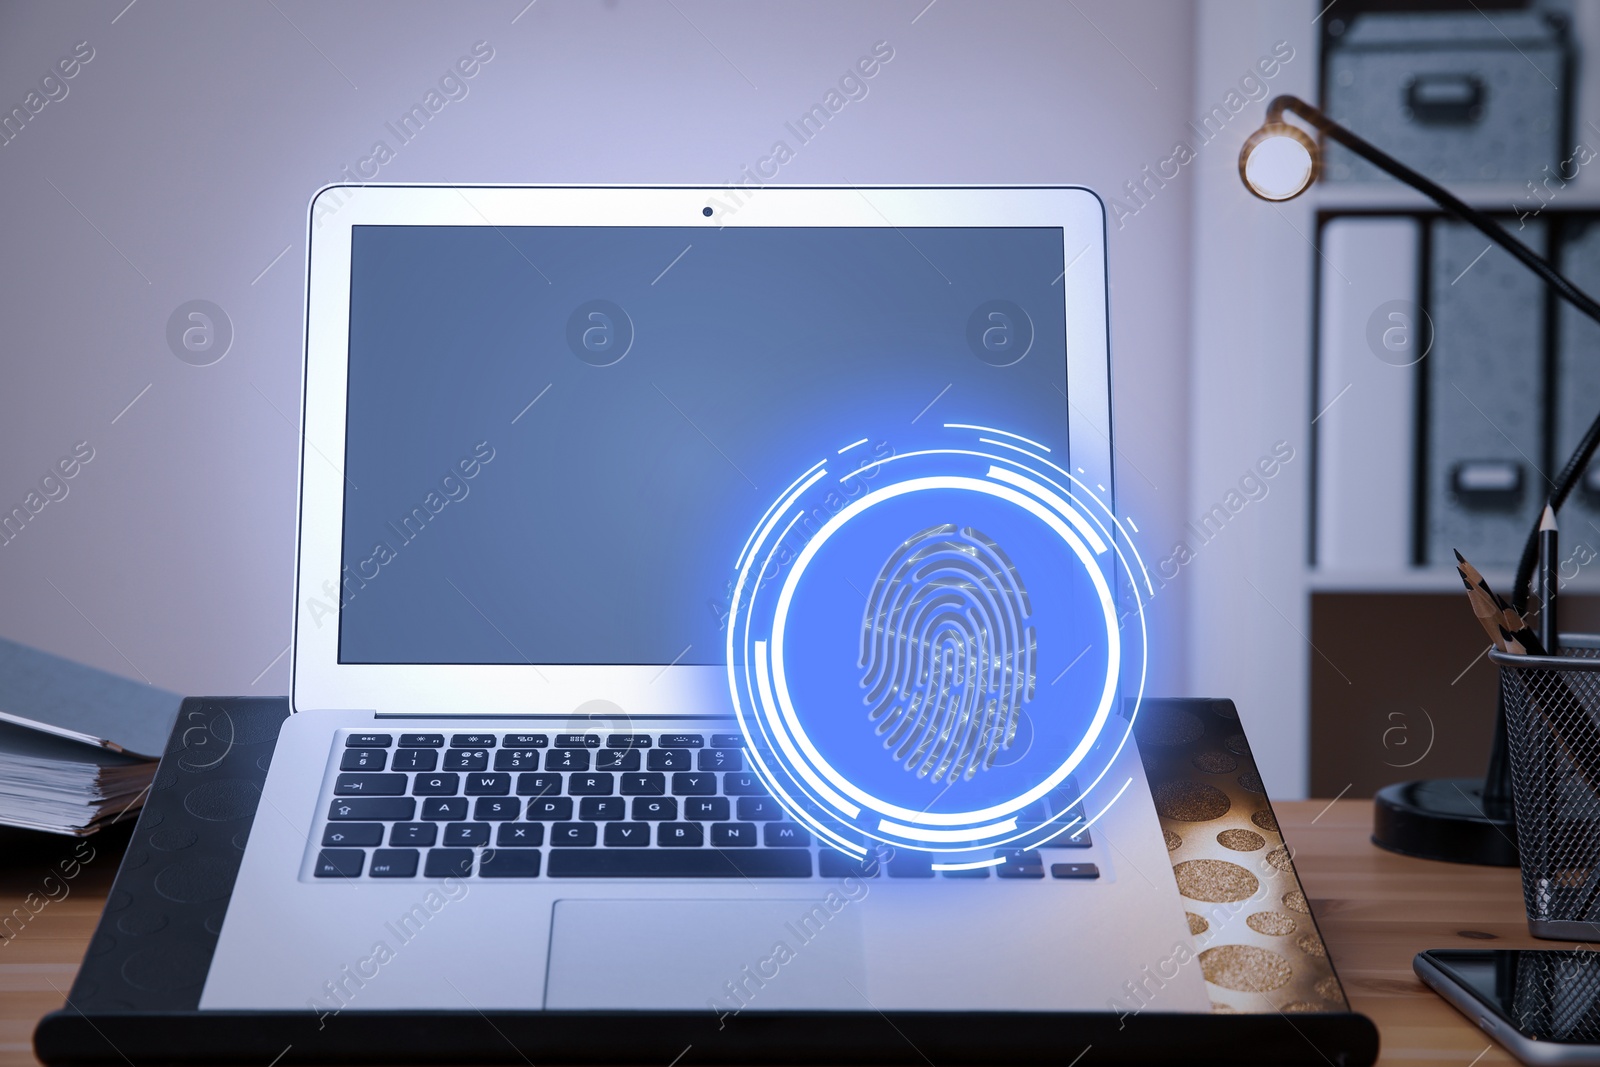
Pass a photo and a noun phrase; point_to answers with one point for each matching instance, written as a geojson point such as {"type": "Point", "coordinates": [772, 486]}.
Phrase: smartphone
{"type": "Point", "coordinates": [1543, 1005]}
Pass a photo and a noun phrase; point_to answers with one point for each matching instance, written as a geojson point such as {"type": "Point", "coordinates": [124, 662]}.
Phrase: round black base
{"type": "Point", "coordinates": [1444, 819]}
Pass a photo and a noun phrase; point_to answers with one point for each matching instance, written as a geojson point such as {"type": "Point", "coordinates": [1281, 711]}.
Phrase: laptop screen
{"type": "Point", "coordinates": [558, 438]}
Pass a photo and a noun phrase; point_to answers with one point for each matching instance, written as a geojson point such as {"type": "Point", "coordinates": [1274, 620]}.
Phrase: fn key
{"type": "Point", "coordinates": [339, 863]}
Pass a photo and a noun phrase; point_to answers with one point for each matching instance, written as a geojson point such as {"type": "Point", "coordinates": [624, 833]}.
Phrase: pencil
{"type": "Point", "coordinates": [1504, 625]}
{"type": "Point", "coordinates": [1488, 613]}
{"type": "Point", "coordinates": [1549, 580]}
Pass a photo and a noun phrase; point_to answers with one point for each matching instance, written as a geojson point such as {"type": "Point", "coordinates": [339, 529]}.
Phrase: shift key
{"type": "Point", "coordinates": [373, 809]}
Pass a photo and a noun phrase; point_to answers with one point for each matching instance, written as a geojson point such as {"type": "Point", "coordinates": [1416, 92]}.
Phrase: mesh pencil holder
{"type": "Point", "coordinates": [1552, 708]}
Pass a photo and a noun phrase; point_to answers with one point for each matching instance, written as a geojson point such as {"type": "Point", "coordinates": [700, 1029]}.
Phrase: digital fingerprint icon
{"type": "Point", "coordinates": [948, 655]}
{"type": "Point", "coordinates": [930, 643]}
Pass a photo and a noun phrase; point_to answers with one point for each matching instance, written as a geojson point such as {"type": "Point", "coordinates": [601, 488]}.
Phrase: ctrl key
{"type": "Point", "coordinates": [394, 863]}
{"type": "Point", "coordinates": [1083, 871]}
{"type": "Point", "coordinates": [340, 863]}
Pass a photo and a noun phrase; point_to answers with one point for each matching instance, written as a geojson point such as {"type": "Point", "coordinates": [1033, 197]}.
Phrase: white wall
{"type": "Point", "coordinates": [180, 163]}
{"type": "Point", "coordinates": [1248, 612]}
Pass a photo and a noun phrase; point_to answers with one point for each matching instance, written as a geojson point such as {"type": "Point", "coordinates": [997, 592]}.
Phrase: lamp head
{"type": "Point", "coordinates": [1279, 161]}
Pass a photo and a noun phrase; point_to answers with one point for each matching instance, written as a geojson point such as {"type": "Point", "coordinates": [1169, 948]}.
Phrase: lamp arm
{"type": "Point", "coordinates": [1439, 195]}
{"type": "Point", "coordinates": [1564, 483]}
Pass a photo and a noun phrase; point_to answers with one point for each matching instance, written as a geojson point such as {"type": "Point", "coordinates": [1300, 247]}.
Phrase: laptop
{"type": "Point", "coordinates": [541, 426]}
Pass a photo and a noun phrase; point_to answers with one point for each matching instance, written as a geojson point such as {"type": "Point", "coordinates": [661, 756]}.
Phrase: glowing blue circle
{"type": "Point", "coordinates": [800, 717]}
{"type": "Point", "coordinates": [797, 731]}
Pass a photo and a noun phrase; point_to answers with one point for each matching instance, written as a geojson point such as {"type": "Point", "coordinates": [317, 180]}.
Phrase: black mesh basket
{"type": "Point", "coordinates": [1552, 706]}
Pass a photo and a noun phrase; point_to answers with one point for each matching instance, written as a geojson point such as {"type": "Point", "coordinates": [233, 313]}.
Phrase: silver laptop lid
{"type": "Point", "coordinates": [540, 423]}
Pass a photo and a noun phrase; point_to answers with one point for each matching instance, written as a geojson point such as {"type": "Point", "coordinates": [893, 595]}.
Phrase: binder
{"type": "Point", "coordinates": [1577, 393]}
{"type": "Point", "coordinates": [1370, 339]}
{"type": "Point", "coordinates": [1483, 442]}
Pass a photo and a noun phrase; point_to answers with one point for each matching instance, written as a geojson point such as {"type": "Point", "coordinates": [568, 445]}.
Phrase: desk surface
{"type": "Point", "coordinates": [1376, 910]}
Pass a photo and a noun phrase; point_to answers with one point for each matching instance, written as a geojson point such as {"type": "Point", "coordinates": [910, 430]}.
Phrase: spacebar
{"type": "Point", "coordinates": [680, 863]}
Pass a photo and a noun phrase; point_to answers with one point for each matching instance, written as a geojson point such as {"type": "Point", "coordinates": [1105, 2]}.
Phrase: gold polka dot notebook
{"type": "Point", "coordinates": [1254, 938]}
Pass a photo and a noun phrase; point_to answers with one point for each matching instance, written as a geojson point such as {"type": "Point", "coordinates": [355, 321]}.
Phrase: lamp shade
{"type": "Point", "coordinates": [1278, 162]}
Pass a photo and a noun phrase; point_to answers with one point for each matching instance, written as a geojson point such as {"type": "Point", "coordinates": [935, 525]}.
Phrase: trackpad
{"type": "Point", "coordinates": [723, 955]}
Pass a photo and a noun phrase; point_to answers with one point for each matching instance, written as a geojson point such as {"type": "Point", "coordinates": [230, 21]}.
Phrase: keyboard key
{"type": "Point", "coordinates": [785, 835]}
{"type": "Point", "coordinates": [416, 759]}
{"type": "Point", "coordinates": [436, 785]}
{"type": "Point", "coordinates": [574, 834]}
{"type": "Point", "coordinates": [509, 863]}
{"type": "Point", "coordinates": [627, 834]}
{"type": "Point", "coordinates": [694, 784]}
{"type": "Point", "coordinates": [519, 835]}
{"type": "Point", "coordinates": [372, 809]}
{"type": "Point", "coordinates": [727, 740]}
{"type": "Point", "coordinates": [759, 809]}
{"type": "Point", "coordinates": [908, 864]}
{"type": "Point", "coordinates": [655, 808]}
{"type": "Point", "coordinates": [351, 834]}
{"type": "Point", "coordinates": [395, 862]}
{"type": "Point", "coordinates": [538, 785]}
{"type": "Point", "coordinates": [1074, 870]}
{"type": "Point", "coordinates": [628, 741]}
{"type": "Point", "coordinates": [599, 808]}
{"type": "Point", "coordinates": [414, 834]}
{"type": "Point", "coordinates": [448, 863]}
{"type": "Point", "coordinates": [721, 759]}
{"type": "Point", "coordinates": [516, 759]}
{"type": "Point", "coordinates": [549, 809]}
{"type": "Point", "coordinates": [444, 809]}
{"type": "Point", "coordinates": [497, 808]}
{"type": "Point", "coordinates": [706, 809]}
{"type": "Point", "coordinates": [1065, 838]}
{"type": "Point", "coordinates": [733, 835]}
{"type": "Point", "coordinates": [644, 784]}
{"type": "Point", "coordinates": [591, 785]}
{"type": "Point", "coordinates": [370, 785]}
{"type": "Point", "coordinates": [489, 784]}
{"type": "Point", "coordinates": [472, 740]}
{"type": "Point", "coordinates": [468, 833]}
{"type": "Point", "coordinates": [566, 759]}
{"type": "Point", "coordinates": [577, 740]}
{"type": "Point", "coordinates": [679, 863]}
{"type": "Point", "coordinates": [527, 741]}
{"type": "Point", "coordinates": [680, 835]}
{"type": "Point", "coordinates": [339, 863]}
{"type": "Point", "coordinates": [970, 872]}
{"type": "Point", "coordinates": [368, 741]}
{"type": "Point", "coordinates": [743, 785]}
{"type": "Point", "coordinates": [682, 741]}
{"type": "Point", "coordinates": [669, 759]}
{"type": "Point", "coordinates": [422, 740]}
{"type": "Point", "coordinates": [466, 759]}
{"type": "Point", "coordinates": [363, 759]}
{"type": "Point", "coordinates": [1064, 795]}
{"type": "Point", "coordinates": [1027, 864]}
{"type": "Point", "coordinates": [831, 864]}
{"type": "Point", "coordinates": [616, 761]}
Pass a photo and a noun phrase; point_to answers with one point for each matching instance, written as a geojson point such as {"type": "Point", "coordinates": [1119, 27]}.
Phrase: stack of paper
{"type": "Point", "coordinates": [50, 783]}
{"type": "Point", "coordinates": [78, 746]}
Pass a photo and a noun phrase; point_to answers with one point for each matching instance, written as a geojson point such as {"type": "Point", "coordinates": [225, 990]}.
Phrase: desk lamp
{"type": "Point", "coordinates": [1453, 819]}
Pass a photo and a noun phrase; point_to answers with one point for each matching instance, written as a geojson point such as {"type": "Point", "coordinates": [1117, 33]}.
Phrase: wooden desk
{"type": "Point", "coordinates": [1376, 911]}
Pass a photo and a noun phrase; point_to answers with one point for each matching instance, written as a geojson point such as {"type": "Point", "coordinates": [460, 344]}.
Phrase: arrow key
{"type": "Point", "coordinates": [352, 834]}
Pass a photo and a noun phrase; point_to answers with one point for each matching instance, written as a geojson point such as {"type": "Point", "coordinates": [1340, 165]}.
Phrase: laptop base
{"type": "Point", "coordinates": [135, 999]}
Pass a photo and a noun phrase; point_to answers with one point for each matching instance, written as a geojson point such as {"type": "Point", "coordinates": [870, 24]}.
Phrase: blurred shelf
{"type": "Point", "coordinates": [1502, 198]}
{"type": "Point", "coordinates": [1426, 580]}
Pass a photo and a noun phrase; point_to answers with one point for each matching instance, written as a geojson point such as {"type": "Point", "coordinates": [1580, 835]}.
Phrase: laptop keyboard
{"type": "Point", "coordinates": [595, 805]}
